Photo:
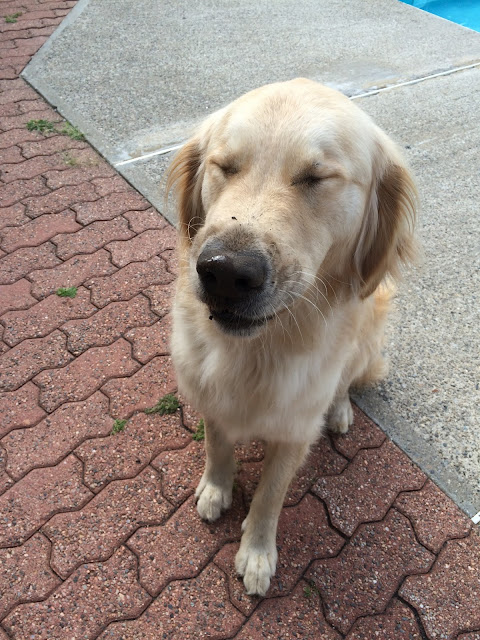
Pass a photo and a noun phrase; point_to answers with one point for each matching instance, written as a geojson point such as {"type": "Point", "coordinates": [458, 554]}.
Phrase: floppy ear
{"type": "Point", "coordinates": [185, 177]}
{"type": "Point", "coordinates": [386, 240]}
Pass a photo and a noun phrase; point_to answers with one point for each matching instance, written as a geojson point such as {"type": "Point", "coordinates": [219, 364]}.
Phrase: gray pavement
{"type": "Point", "coordinates": [136, 76]}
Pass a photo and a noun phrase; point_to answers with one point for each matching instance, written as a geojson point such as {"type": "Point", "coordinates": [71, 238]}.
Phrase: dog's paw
{"type": "Point", "coordinates": [341, 416]}
{"type": "Point", "coordinates": [257, 565]}
{"type": "Point", "coordinates": [212, 499]}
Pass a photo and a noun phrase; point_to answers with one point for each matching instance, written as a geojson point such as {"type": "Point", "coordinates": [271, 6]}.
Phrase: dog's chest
{"type": "Point", "coordinates": [255, 391]}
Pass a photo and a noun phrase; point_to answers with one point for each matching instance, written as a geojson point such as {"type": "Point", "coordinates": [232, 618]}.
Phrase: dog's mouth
{"type": "Point", "coordinates": [237, 324]}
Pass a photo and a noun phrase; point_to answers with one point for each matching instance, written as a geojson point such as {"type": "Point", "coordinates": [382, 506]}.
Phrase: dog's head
{"type": "Point", "coordinates": [289, 189]}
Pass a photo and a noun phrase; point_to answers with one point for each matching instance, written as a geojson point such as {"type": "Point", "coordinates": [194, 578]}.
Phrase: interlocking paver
{"type": "Point", "coordinates": [434, 516]}
{"type": "Point", "coordinates": [13, 155]}
{"type": "Point", "coordinates": [45, 316]}
{"type": "Point", "coordinates": [85, 374]}
{"type": "Point", "coordinates": [108, 324]}
{"type": "Point", "coordinates": [160, 297]}
{"type": "Point", "coordinates": [183, 546]}
{"type": "Point", "coordinates": [71, 273]}
{"type": "Point", "coordinates": [18, 136]}
{"type": "Point", "coordinates": [363, 434]}
{"type": "Point", "coordinates": [21, 363]}
{"type": "Point", "coordinates": [109, 206]}
{"type": "Point", "coordinates": [93, 533]}
{"type": "Point", "coordinates": [447, 598]}
{"type": "Point", "coordinates": [181, 471]}
{"type": "Point", "coordinates": [5, 480]}
{"type": "Point", "coordinates": [368, 487]}
{"type": "Point", "coordinates": [50, 145]}
{"type": "Point", "coordinates": [397, 623]}
{"type": "Point", "coordinates": [19, 91]}
{"type": "Point", "coordinates": [31, 167]}
{"type": "Point", "coordinates": [58, 434]}
{"type": "Point", "coordinates": [128, 281]}
{"type": "Point", "coordinates": [20, 408]}
{"type": "Point", "coordinates": [84, 604]}
{"type": "Point", "coordinates": [38, 231]}
{"type": "Point", "coordinates": [90, 166]}
{"type": "Point", "coordinates": [143, 220]}
{"type": "Point", "coordinates": [18, 264]}
{"type": "Point", "coordinates": [16, 296]}
{"type": "Point", "coordinates": [299, 616]}
{"type": "Point", "coordinates": [141, 390]}
{"type": "Point", "coordinates": [123, 454]}
{"type": "Point", "coordinates": [141, 248]}
{"type": "Point", "coordinates": [190, 609]}
{"type": "Point", "coordinates": [57, 489]}
{"type": "Point", "coordinates": [20, 189]}
{"type": "Point", "coordinates": [106, 186]}
{"type": "Point", "coordinates": [364, 577]}
{"type": "Point", "coordinates": [25, 573]}
{"type": "Point", "coordinates": [13, 215]}
{"type": "Point", "coordinates": [60, 199]}
{"type": "Point", "coordinates": [92, 237]}
{"type": "Point", "coordinates": [151, 341]}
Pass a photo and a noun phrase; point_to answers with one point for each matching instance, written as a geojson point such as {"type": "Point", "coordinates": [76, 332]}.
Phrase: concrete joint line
{"type": "Point", "coordinates": [407, 83]}
{"type": "Point", "coordinates": [374, 92]}
{"type": "Point", "coordinates": [159, 152]}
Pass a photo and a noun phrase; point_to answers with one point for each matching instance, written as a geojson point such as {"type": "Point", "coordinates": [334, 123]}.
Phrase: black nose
{"type": "Point", "coordinates": [231, 274]}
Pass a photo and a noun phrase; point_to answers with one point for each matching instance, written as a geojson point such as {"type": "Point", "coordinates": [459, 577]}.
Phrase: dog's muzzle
{"type": "Point", "coordinates": [234, 286]}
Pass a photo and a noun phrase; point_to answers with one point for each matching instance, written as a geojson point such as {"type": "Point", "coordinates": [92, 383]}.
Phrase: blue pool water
{"type": "Point", "coordinates": [464, 12]}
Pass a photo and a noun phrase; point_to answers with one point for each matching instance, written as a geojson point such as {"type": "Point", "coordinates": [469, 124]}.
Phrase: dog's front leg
{"type": "Point", "coordinates": [214, 492]}
{"type": "Point", "coordinates": [256, 559]}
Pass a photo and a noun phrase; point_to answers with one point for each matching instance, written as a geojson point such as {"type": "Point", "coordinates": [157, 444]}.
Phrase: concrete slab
{"type": "Point", "coordinates": [429, 404]}
{"type": "Point", "coordinates": [136, 77]}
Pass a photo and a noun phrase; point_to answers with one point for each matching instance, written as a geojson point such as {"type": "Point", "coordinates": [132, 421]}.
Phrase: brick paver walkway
{"type": "Point", "coordinates": [99, 537]}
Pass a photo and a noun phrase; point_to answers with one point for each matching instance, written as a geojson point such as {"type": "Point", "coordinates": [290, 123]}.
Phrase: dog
{"type": "Point", "coordinates": [295, 209]}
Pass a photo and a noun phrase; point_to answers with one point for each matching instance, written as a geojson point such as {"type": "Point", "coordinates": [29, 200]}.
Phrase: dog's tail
{"type": "Point", "coordinates": [377, 367]}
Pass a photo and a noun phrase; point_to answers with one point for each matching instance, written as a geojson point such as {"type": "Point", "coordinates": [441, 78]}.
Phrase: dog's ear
{"type": "Point", "coordinates": [386, 241]}
{"type": "Point", "coordinates": [185, 178]}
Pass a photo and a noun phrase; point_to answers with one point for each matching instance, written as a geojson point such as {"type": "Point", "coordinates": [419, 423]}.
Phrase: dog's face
{"type": "Point", "coordinates": [287, 190]}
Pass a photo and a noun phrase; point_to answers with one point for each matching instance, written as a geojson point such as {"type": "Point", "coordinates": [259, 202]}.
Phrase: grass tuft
{"type": "Point", "coordinates": [167, 404]}
{"type": "Point", "coordinates": [11, 19]}
{"type": "Point", "coordinates": [72, 132]}
{"type": "Point", "coordinates": [200, 432]}
{"type": "Point", "coordinates": [44, 126]}
{"type": "Point", "coordinates": [66, 292]}
{"type": "Point", "coordinates": [118, 425]}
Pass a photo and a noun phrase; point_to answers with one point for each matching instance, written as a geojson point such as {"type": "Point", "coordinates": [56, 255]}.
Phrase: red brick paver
{"type": "Point", "coordinates": [99, 534]}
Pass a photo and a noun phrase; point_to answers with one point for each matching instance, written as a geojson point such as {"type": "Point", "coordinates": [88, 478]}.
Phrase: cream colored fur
{"type": "Point", "coordinates": [299, 172]}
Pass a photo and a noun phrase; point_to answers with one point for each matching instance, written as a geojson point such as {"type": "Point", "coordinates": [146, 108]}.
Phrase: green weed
{"type": "Point", "coordinates": [72, 132]}
{"type": "Point", "coordinates": [167, 404]}
{"type": "Point", "coordinates": [13, 17]}
{"type": "Point", "coordinates": [44, 126]}
{"type": "Point", "coordinates": [66, 292]}
{"type": "Point", "coordinates": [118, 425]}
{"type": "Point", "coordinates": [200, 432]}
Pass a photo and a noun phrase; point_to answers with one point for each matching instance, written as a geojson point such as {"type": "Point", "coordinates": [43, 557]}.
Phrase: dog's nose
{"type": "Point", "coordinates": [231, 274]}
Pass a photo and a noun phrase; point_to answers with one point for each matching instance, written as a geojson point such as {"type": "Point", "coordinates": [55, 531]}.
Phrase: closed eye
{"type": "Point", "coordinates": [307, 181]}
{"type": "Point", "coordinates": [227, 168]}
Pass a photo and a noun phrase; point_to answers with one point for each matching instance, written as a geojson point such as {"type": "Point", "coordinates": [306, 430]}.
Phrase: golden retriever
{"type": "Point", "coordinates": [293, 209]}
